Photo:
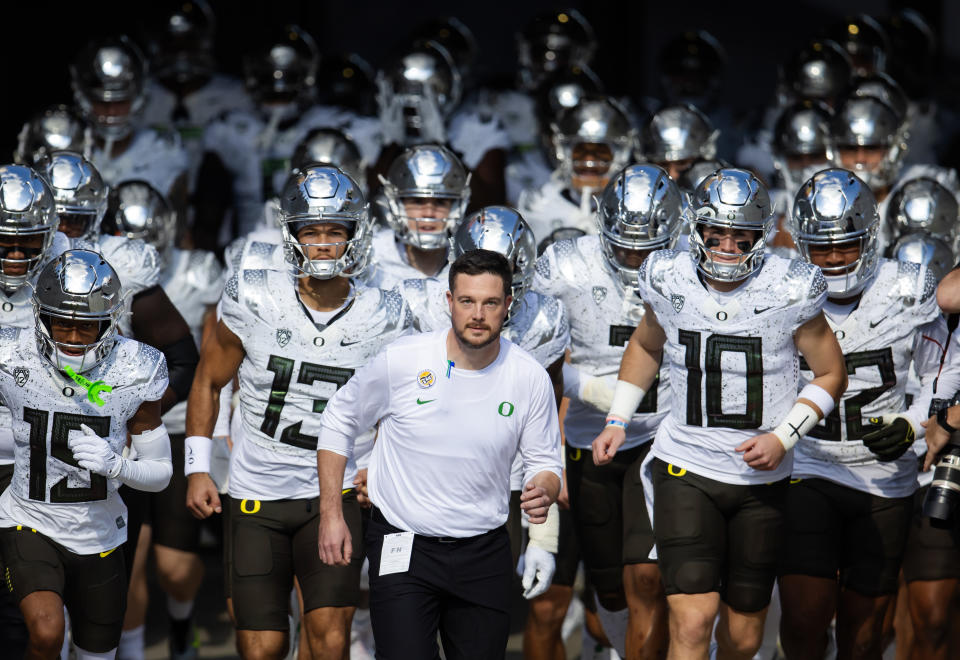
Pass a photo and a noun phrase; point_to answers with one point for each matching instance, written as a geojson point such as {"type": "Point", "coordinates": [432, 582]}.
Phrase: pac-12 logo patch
{"type": "Point", "coordinates": [426, 378]}
{"type": "Point", "coordinates": [283, 336]}
{"type": "Point", "coordinates": [20, 376]}
{"type": "Point", "coordinates": [677, 301]}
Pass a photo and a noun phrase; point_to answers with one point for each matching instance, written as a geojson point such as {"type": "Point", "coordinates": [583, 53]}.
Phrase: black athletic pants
{"type": "Point", "coordinates": [460, 587]}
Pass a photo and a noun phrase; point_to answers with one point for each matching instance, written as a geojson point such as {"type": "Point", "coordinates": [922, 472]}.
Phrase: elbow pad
{"type": "Point", "coordinates": [182, 359]}
{"type": "Point", "coordinates": [152, 469]}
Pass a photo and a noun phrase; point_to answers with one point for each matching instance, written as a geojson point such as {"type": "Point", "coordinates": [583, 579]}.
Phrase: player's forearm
{"type": "Point", "coordinates": [330, 469]}
{"type": "Point", "coordinates": [948, 293]}
{"type": "Point", "coordinates": [639, 365]}
{"type": "Point", "coordinates": [203, 405]}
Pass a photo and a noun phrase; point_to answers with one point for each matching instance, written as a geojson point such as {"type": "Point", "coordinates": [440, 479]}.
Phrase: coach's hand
{"type": "Point", "coordinates": [535, 501]}
{"type": "Point", "coordinates": [363, 496]}
{"type": "Point", "coordinates": [763, 452]}
{"type": "Point", "coordinates": [203, 500]}
{"type": "Point", "coordinates": [336, 546]}
{"type": "Point", "coordinates": [606, 444]}
{"type": "Point", "coordinates": [937, 438]}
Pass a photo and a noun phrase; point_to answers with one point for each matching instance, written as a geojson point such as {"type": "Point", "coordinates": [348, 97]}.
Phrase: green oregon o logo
{"type": "Point", "coordinates": [505, 409]}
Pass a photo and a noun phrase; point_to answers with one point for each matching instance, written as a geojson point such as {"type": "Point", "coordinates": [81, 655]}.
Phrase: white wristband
{"type": "Point", "coordinates": [796, 424]}
{"type": "Point", "coordinates": [546, 535]}
{"type": "Point", "coordinates": [626, 400]}
{"type": "Point", "coordinates": [819, 396]}
{"type": "Point", "coordinates": [196, 454]}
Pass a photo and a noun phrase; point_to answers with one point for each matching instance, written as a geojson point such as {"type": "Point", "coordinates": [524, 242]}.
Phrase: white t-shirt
{"type": "Point", "coordinates": [441, 465]}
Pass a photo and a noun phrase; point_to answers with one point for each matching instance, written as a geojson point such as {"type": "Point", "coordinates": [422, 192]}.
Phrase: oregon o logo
{"type": "Point", "coordinates": [8, 307]}
{"type": "Point", "coordinates": [721, 315]}
{"type": "Point", "coordinates": [505, 409]}
{"type": "Point", "coordinates": [253, 508]}
{"type": "Point", "coordinates": [68, 391]}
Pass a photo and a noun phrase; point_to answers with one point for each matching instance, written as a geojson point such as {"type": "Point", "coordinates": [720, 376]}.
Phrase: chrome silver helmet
{"type": "Point", "coordinates": [330, 146]}
{"type": "Point", "coordinates": [500, 229]}
{"type": "Point", "coordinates": [108, 78]}
{"type": "Point", "coordinates": [698, 171]}
{"type": "Point", "coordinates": [80, 193]}
{"type": "Point", "coordinates": [865, 121]}
{"type": "Point", "coordinates": [802, 143]}
{"type": "Point", "coordinates": [551, 42]}
{"type": "Point", "coordinates": [283, 69]}
{"type": "Point", "coordinates": [640, 209]}
{"type": "Point", "coordinates": [595, 120]}
{"type": "Point", "coordinates": [324, 194]}
{"type": "Point", "coordinates": [425, 171]}
{"type": "Point", "coordinates": [927, 250]}
{"type": "Point", "coordinates": [566, 89]}
{"type": "Point", "coordinates": [821, 71]}
{"type": "Point", "coordinates": [881, 86]}
{"type": "Point", "coordinates": [58, 128]}
{"type": "Point", "coordinates": [923, 205]}
{"type": "Point", "coordinates": [454, 35]}
{"type": "Point", "coordinates": [138, 210]}
{"type": "Point", "coordinates": [678, 132]}
{"type": "Point", "coordinates": [179, 40]}
{"type": "Point", "coordinates": [832, 208]}
{"type": "Point", "coordinates": [731, 199]}
{"type": "Point", "coordinates": [78, 285]}
{"type": "Point", "coordinates": [26, 210]}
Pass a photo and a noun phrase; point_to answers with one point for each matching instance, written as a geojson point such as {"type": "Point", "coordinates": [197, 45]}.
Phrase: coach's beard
{"type": "Point", "coordinates": [467, 344]}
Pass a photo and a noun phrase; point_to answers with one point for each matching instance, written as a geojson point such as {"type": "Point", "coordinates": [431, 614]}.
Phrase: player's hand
{"type": "Point", "coordinates": [535, 502]}
{"type": "Point", "coordinates": [762, 452]}
{"type": "Point", "coordinates": [563, 497]}
{"type": "Point", "coordinates": [363, 496]}
{"type": "Point", "coordinates": [392, 126]}
{"type": "Point", "coordinates": [889, 437]}
{"type": "Point", "coordinates": [91, 452]}
{"type": "Point", "coordinates": [937, 438]}
{"type": "Point", "coordinates": [606, 444]}
{"type": "Point", "coordinates": [203, 500]}
{"type": "Point", "coordinates": [537, 567]}
{"type": "Point", "coordinates": [335, 543]}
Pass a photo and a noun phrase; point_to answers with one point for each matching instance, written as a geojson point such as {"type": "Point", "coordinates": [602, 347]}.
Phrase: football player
{"type": "Point", "coordinates": [296, 336]}
{"type": "Point", "coordinates": [675, 136]}
{"type": "Point", "coordinates": [731, 324]}
{"type": "Point", "coordinates": [596, 279]}
{"type": "Point", "coordinates": [75, 391]}
{"type": "Point", "coordinates": [850, 502]}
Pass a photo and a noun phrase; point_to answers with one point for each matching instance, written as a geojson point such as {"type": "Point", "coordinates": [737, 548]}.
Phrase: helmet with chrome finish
{"type": "Point", "coordinates": [881, 86]}
{"type": "Point", "coordinates": [802, 142]}
{"type": "Point", "coordinates": [57, 128]}
{"type": "Point", "coordinates": [324, 194]}
{"type": "Point", "coordinates": [27, 215]}
{"type": "Point", "coordinates": [865, 41]}
{"type": "Point", "coordinates": [926, 250]}
{"type": "Point", "coordinates": [565, 89]}
{"type": "Point", "coordinates": [698, 171]}
{"type": "Point", "coordinates": [79, 191]}
{"type": "Point", "coordinates": [678, 132]}
{"type": "Point", "coordinates": [552, 41]}
{"type": "Point", "coordinates": [640, 209]}
{"type": "Point", "coordinates": [179, 41]}
{"type": "Point", "coordinates": [454, 35]}
{"type": "Point", "coordinates": [137, 210]}
{"type": "Point", "coordinates": [108, 78]}
{"type": "Point", "coordinates": [866, 121]}
{"type": "Point", "coordinates": [330, 146]}
{"type": "Point", "coordinates": [283, 69]}
{"type": "Point", "coordinates": [77, 286]}
{"type": "Point", "coordinates": [923, 205]}
{"type": "Point", "coordinates": [596, 120]}
{"type": "Point", "coordinates": [735, 199]}
{"type": "Point", "coordinates": [836, 207]}
{"type": "Point", "coordinates": [500, 229]}
{"type": "Point", "coordinates": [821, 70]}
{"type": "Point", "coordinates": [425, 171]}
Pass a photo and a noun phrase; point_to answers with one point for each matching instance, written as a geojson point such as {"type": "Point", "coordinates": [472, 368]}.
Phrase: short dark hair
{"type": "Point", "coordinates": [476, 262]}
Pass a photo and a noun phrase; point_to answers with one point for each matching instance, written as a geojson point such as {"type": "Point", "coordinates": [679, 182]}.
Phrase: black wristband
{"type": "Point", "coordinates": [942, 421]}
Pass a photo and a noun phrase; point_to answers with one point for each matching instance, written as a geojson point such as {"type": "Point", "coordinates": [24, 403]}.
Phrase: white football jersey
{"type": "Point", "coordinates": [896, 323]}
{"type": "Point", "coordinates": [136, 262]}
{"type": "Point", "coordinates": [472, 134]}
{"type": "Point", "coordinates": [733, 362]}
{"type": "Point", "coordinates": [555, 206]}
{"type": "Point", "coordinates": [526, 170]}
{"type": "Point", "coordinates": [516, 111]}
{"type": "Point", "coordinates": [260, 249]}
{"type": "Point", "coordinates": [49, 491]}
{"type": "Point", "coordinates": [155, 157]}
{"type": "Point", "coordinates": [258, 157]}
{"type": "Point", "coordinates": [291, 368]}
{"type": "Point", "coordinates": [602, 317]}
{"type": "Point", "coordinates": [193, 281]}
{"type": "Point", "coordinates": [390, 265]}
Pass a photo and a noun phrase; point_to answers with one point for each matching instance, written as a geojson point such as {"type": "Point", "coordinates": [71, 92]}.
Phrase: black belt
{"type": "Point", "coordinates": [377, 517]}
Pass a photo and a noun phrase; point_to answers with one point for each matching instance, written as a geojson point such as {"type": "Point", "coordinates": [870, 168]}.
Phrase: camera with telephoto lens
{"type": "Point", "coordinates": [943, 498]}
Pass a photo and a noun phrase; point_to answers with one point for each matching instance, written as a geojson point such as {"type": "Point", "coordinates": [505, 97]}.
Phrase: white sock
{"type": "Point", "coordinates": [179, 609]}
{"type": "Point", "coordinates": [90, 655]}
{"type": "Point", "coordinates": [615, 625]}
{"type": "Point", "coordinates": [131, 644]}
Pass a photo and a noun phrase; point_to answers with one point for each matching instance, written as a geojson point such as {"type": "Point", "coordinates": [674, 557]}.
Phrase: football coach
{"type": "Point", "coordinates": [454, 407]}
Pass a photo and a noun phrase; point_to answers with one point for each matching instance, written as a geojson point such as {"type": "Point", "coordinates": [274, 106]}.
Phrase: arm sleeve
{"type": "Point", "coordinates": [540, 438]}
{"type": "Point", "coordinates": [356, 407]}
{"type": "Point", "coordinates": [928, 353]}
{"type": "Point", "coordinates": [152, 469]}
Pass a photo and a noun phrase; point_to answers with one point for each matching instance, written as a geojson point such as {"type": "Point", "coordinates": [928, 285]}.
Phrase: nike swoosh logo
{"type": "Point", "coordinates": [420, 403]}
{"type": "Point", "coordinates": [874, 325]}
{"type": "Point", "coordinates": [344, 342]}
{"type": "Point", "coordinates": [761, 310]}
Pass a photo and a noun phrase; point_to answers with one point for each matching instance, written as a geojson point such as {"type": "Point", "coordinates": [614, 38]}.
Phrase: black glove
{"type": "Point", "coordinates": [890, 437]}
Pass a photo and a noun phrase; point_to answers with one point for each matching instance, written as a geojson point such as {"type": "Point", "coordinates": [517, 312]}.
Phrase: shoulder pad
{"type": "Point", "coordinates": [203, 269]}
{"type": "Point", "coordinates": [234, 251]}
{"type": "Point", "coordinates": [912, 285]}
{"type": "Point", "coordinates": [232, 287]}
{"type": "Point", "coordinates": [656, 267]}
{"type": "Point", "coordinates": [803, 281]}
